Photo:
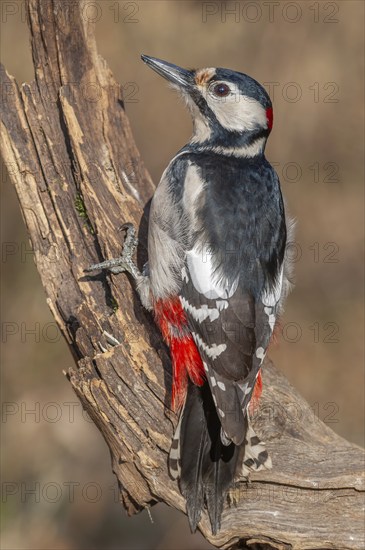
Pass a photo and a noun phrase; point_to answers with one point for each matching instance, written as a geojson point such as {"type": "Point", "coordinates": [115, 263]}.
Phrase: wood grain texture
{"type": "Point", "coordinates": [70, 153]}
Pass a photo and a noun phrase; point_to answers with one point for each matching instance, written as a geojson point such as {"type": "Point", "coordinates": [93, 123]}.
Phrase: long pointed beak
{"type": "Point", "coordinates": [174, 74]}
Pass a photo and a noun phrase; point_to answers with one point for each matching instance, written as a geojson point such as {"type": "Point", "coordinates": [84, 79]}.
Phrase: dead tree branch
{"type": "Point", "coordinates": [69, 149]}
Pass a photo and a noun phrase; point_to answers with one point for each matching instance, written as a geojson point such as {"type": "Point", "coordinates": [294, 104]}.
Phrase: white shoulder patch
{"type": "Point", "coordinates": [202, 275]}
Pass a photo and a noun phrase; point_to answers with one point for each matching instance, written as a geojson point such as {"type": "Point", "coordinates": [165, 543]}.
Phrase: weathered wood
{"type": "Point", "coordinates": [70, 153]}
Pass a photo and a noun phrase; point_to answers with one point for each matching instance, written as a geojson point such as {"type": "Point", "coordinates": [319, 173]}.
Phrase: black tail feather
{"type": "Point", "coordinates": [207, 466]}
{"type": "Point", "coordinates": [193, 443]}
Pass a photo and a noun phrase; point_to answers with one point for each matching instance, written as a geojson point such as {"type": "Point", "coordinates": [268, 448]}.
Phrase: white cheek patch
{"type": "Point", "coordinates": [237, 112]}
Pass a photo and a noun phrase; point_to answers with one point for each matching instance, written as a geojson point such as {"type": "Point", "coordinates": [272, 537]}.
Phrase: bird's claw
{"type": "Point", "coordinates": [130, 241]}
{"type": "Point", "coordinates": [125, 261]}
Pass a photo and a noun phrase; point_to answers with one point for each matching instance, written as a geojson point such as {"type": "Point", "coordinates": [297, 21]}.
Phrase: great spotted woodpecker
{"type": "Point", "coordinates": [216, 278]}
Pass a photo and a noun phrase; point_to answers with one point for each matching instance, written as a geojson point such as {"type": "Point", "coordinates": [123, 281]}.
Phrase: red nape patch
{"type": "Point", "coordinates": [186, 360]}
{"type": "Point", "coordinates": [269, 117]}
{"type": "Point", "coordinates": [256, 394]}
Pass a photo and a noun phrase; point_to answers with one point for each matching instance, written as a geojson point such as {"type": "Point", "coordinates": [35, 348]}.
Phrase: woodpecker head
{"type": "Point", "coordinates": [231, 111]}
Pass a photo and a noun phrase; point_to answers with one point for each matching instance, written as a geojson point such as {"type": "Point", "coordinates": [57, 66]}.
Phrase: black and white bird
{"type": "Point", "coordinates": [216, 279]}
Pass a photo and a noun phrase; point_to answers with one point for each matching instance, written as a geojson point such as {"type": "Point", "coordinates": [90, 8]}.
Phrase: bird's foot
{"type": "Point", "coordinates": [125, 262]}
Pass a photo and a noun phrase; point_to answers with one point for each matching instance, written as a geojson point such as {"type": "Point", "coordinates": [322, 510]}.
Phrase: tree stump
{"type": "Point", "coordinates": [68, 146]}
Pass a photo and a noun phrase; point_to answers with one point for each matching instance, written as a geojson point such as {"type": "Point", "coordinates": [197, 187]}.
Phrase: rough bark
{"type": "Point", "coordinates": [70, 153]}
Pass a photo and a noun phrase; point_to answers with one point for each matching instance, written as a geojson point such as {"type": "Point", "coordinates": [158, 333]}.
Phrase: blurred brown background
{"type": "Point", "coordinates": [58, 489]}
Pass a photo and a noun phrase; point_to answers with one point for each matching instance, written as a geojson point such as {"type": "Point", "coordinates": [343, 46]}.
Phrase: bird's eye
{"type": "Point", "coordinates": [221, 90]}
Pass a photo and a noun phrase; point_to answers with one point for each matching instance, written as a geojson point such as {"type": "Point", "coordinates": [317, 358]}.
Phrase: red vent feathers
{"type": "Point", "coordinates": [186, 360]}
